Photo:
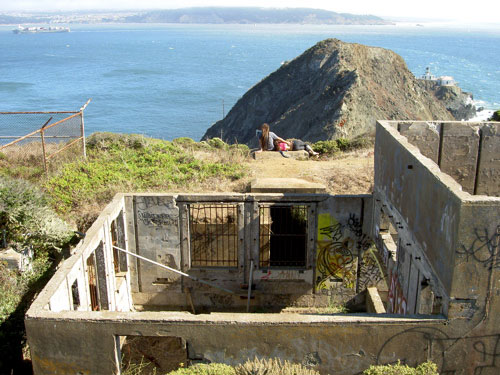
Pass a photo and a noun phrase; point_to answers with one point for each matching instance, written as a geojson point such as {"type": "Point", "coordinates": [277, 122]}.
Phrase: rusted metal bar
{"type": "Point", "coordinates": [175, 270]}
{"type": "Point", "coordinates": [63, 120]}
{"type": "Point", "coordinates": [37, 113]}
{"type": "Point", "coordinates": [20, 139]}
{"type": "Point", "coordinates": [46, 136]}
{"type": "Point", "coordinates": [44, 151]}
{"type": "Point", "coordinates": [64, 148]}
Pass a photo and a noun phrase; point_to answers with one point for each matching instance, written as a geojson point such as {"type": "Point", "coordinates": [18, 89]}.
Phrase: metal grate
{"type": "Point", "coordinates": [213, 235]}
{"type": "Point", "coordinates": [92, 279]}
{"type": "Point", "coordinates": [283, 235]}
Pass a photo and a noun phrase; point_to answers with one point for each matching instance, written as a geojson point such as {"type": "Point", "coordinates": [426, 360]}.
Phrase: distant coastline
{"type": "Point", "coordinates": [203, 15]}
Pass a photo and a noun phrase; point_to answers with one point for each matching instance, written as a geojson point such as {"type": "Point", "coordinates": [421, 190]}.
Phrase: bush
{"type": "Point", "coordinates": [342, 144]}
{"type": "Point", "coordinates": [273, 366]}
{"type": "Point", "coordinates": [28, 220]}
{"type": "Point", "coordinates": [496, 116]}
{"type": "Point", "coordinates": [202, 369]}
{"type": "Point", "coordinates": [217, 143]}
{"type": "Point", "coordinates": [326, 147]}
{"type": "Point", "coordinates": [426, 368]}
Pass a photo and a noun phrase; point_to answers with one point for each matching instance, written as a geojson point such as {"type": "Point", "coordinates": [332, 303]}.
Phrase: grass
{"type": "Point", "coordinates": [78, 189]}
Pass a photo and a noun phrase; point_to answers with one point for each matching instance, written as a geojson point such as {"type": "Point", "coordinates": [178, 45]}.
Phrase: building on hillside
{"type": "Point", "coordinates": [189, 278]}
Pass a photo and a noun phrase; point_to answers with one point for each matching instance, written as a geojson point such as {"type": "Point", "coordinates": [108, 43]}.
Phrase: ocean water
{"type": "Point", "coordinates": [170, 81]}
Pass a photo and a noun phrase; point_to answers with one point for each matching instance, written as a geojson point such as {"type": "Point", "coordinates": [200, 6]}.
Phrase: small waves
{"type": "Point", "coordinates": [7, 86]}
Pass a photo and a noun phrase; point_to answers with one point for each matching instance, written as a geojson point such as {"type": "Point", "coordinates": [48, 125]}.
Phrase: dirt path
{"type": "Point", "coordinates": [350, 174]}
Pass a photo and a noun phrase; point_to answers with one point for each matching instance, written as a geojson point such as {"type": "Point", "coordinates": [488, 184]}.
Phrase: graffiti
{"type": "Point", "coordinates": [371, 270]}
{"type": "Point", "coordinates": [338, 246]}
{"type": "Point", "coordinates": [429, 343]}
{"type": "Point", "coordinates": [281, 274]}
{"type": "Point", "coordinates": [483, 249]}
{"type": "Point", "coordinates": [396, 300]}
{"type": "Point", "coordinates": [221, 301]}
{"type": "Point", "coordinates": [151, 219]}
{"type": "Point", "coordinates": [143, 203]}
{"type": "Point", "coordinates": [334, 257]}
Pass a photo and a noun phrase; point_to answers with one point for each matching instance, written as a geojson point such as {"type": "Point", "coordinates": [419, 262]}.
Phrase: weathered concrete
{"type": "Point", "coordinates": [374, 303]}
{"type": "Point", "coordinates": [424, 135]}
{"type": "Point", "coordinates": [488, 176]}
{"type": "Point", "coordinates": [286, 185]}
{"type": "Point", "coordinates": [459, 153]}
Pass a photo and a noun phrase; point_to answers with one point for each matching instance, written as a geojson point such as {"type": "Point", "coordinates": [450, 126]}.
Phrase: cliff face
{"type": "Point", "coordinates": [458, 102]}
{"type": "Point", "coordinates": [333, 89]}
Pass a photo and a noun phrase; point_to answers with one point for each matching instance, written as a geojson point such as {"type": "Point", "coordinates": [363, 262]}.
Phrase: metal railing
{"type": "Point", "coordinates": [57, 133]}
{"type": "Point", "coordinates": [214, 234]}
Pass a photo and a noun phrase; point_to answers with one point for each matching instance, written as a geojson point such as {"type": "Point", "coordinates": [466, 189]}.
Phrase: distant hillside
{"type": "Point", "coordinates": [251, 15]}
{"type": "Point", "coordinates": [334, 89]}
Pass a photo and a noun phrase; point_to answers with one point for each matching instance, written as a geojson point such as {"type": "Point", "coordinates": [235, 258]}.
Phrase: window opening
{"type": "Point", "coordinates": [92, 280]}
{"type": "Point", "coordinates": [213, 234]}
{"type": "Point", "coordinates": [75, 295]}
{"type": "Point", "coordinates": [283, 235]}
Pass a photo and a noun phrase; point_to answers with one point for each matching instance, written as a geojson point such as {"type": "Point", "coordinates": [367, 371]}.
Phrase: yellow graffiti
{"type": "Point", "coordinates": [334, 256]}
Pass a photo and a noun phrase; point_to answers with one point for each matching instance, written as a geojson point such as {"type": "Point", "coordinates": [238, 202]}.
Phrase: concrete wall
{"type": "Point", "coordinates": [468, 152]}
{"type": "Point", "coordinates": [158, 228]}
{"type": "Point", "coordinates": [445, 238]}
{"type": "Point", "coordinates": [87, 343]}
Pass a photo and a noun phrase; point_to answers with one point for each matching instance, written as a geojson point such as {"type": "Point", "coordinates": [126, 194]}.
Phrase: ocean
{"type": "Point", "coordinates": [172, 80]}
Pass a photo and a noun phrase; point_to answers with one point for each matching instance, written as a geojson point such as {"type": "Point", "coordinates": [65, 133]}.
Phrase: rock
{"type": "Point", "coordinates": [458, 102]}
{"type": "Point", "coordinates": [334, 89]}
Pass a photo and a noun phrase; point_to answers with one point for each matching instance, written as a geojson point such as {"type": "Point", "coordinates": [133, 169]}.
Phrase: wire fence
{"type": "Point", "coordinates": [40, 136]}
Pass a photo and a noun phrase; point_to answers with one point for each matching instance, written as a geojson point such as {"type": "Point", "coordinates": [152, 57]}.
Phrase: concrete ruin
{"type": "Point", "coordinates": [419, 258]}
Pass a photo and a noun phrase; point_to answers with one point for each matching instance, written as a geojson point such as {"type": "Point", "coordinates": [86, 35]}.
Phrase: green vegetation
{"type": "Point", "coordinates": [271, 366]}
{"type": "Point", "coordinates": [335, 146]}
{"type": "Point", "coordinates": [29, 221]}
{"type": "Point", "coordinates": [495, 116]}
{"type": "Point", "coordinates": [426, 368]}
{"type": "Point", "coordinates": [135, 163]}
{"type": "Point", "coordinates": [205, 369]}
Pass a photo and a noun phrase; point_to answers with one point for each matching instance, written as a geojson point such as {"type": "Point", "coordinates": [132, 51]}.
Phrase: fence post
{"type": "Point", "coordinates": [82, 129]}
{"type": "Point", "coordinates": [43, 145]}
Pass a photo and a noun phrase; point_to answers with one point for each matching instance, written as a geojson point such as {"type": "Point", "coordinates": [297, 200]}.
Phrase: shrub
{"type": "Point", "coordinates": [273, 366]}
{"type": "Point", "coordinates": [217, 143]}
{"type": "Point", "coordinates": [426, 368]}
{"type": "Point", "coordinates": [495, 116]}
{"type": "Point", "coordinates": [28, 220]}
{"type": "Point", "coordinates": [202, 369]}
{"type": "Point", "coordinates": [326, 147]}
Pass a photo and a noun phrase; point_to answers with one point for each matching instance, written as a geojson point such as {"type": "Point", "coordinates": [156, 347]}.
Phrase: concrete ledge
{"type": "Point", "coordinates": [285, 185]}
{"type": "Point", "coordinates": [374, 303]}
{"type": "Point", "coordinates": [268, 155]}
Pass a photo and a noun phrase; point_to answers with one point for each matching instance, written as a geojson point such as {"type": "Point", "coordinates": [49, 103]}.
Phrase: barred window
{"type": "Point", "coordinates": [213, 234]}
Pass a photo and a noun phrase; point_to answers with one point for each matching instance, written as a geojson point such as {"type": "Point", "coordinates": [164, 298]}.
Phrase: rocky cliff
{"type": "Point", "coordinates": [333, 89]}
{"type": "Point", "coordinates": [458, 102]}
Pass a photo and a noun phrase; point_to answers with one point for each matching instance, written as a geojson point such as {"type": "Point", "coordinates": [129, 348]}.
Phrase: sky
{"type": "Point", "coordinates": [478, 11]}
